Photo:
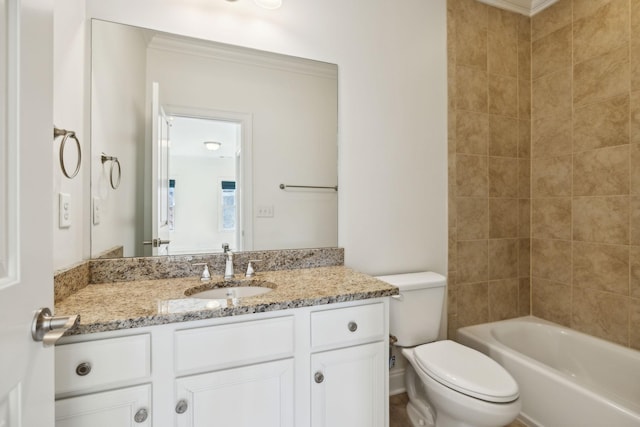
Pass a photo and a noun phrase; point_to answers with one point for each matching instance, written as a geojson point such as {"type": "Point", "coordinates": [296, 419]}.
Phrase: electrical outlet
{"type": "Point", "coordinates": [64, 213]}
{"type": "Point", "coordinates": [265, 211]}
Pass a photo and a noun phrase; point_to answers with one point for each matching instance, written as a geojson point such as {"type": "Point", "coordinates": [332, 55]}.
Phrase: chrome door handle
{"type": "Point", "coordinates": [156, 243]}
{"type": "Point", "coordinates": [49, 329]}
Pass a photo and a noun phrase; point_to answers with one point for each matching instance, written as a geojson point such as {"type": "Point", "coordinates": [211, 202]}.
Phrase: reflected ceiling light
{"type": "Point", "coordinates": [269, 4]}
{"type": "Point", "coordinates": [212, 145]}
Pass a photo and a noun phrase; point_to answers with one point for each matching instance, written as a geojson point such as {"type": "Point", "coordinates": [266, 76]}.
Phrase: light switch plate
{"type": "Point", "coordinates": [265, 211]}
{"type": "Point", "coordinates": [64, 210]}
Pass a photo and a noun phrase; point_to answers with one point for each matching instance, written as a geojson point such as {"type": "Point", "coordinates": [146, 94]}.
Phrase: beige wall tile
{"type": "Point", "coordinates": [551, 135]}
{"type": "Point", "coordinates": [635, 62]}
{"type": "Point", "coordinates": [602, 77]}
{"type": "Point", "coordinates": [602, 267]}
{"type": "Point", "coordinates": [524, 138]}
{"type": "Point", "coordinates": [551, 94]}
{"type": "Point", "coordinates": [524, 218]}
{"type": "Point", "coordinates": [524, 59]}
{"type": "Point", "coordinates": [524, 99]}
{"type": "Point", "coordinates": [503, 23]}
{"type": "Point", "coordinates": [452, 210]}
{"type": "Point", "coordinates": [471, 46]}
{"type": "Point", "coordinates": [452, 300]}
{"type": "Point", "coordinates": [472, 132]}
{"type": "Point", "coordinates": [551, 53]}
{"type": "Point", "coordinates": [551, 260]}
{"type": "Point", "coordinates": [634, 107]}
{"type": "Point", "coordinates": [551, 301]}
{"type": "Point", "coordinates": [470, 12]}
{"type": "Point", "coordinates": [473, 218]}
{"type": "Point", "coordinates": [634, 159]}
{"type": "Point", "coordinates": [524, 28]}
{"type": "Point", "coordinates": [551, 218]}
{"type": "Point", "coordinates": [601, 314]}
{"type": "Point", "coordinates": [452, 248]}
{"type": "Point", "coordinates": [524, 178]}
{"type": "Point", "coordinates": [503, 95]}
{"type": "Point", "coordinates": [551, 176]}
{"type": "Point", "coordinates": [503, 218]}
{"type": "Point", "coordinates": [473, 304]}
{"type": "Point", "coordinates": [473, 262]}
{"type": "Point", "coordinates": [503, 299]}
{"type": "Point", "coordinates": [452, 326]}
{"type": "Point", "coordinates": [601, 219]}
{"type": "Point", "coordinates": [603, 124]}
{"type": "Point", "coordinates": [634, 319]}
{"type": "Point", "coordinates": [502, 55]}
{"type": "Point", "coordinates": [598, 31]}
{"type": "Point", "coordinates": [471, 176]}
{"type": "Point", "coordinates": [601, 172]}
{"type": "Point", "coordinates": [503, 177]}
{"type": "Point", "coordinates": [503, 258]}
{"type": "Point", "coordinates": [524, 257]}
{"type": "Point", "coordinates": [451, 85]}
{"type": "Point", "coordinates": [524, 297]}
{"type": "Point", "coordinates": [503, 136]}
{"type": "Point", "coordinates": [584, 8]}
{"type": "Point", "coordinates": [471, 93]}
{"type": "Point", "coordinates": [634, 220]}
{"type": "Point", "coordinates": [550, 19]}
{"type": "Point", "coordinates": [634, 271]}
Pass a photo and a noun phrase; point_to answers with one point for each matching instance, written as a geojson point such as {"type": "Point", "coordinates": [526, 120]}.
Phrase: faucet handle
{"type": "Point", "coordinates": [250, 271]}
{"type": "Point", "coordinates": [205, 271]}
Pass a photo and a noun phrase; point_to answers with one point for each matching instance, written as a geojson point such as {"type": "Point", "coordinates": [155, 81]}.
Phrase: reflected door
{"type": "Point", "coordinates": [160, 126]}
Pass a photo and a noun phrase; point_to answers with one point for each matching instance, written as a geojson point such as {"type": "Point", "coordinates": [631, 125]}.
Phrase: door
{"type": "Point", "coordinates": [26, 262]}
{"type": "Point", "coordinates": [347, 388]}
{"type": "Point", "coordinates": [159, 175]}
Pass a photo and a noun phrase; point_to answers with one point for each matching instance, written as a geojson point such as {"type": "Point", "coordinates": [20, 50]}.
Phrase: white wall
{"type": "Point", "coordinates": [118, 129]}
{"type": "Point", "coordinates": [392, 107]}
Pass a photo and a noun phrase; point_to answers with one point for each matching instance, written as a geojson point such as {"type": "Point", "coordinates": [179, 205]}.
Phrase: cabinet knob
{"type": "Point", "coordinates": [83, 369]}
{"type": "Point", "coordinates": [353, 326]}
{"type": "Point", "coordinates": [182, 407]}
{"type": "Point", "coordinates": [141, 415]}
{"type": "Point", "coordinates": [318, 377]}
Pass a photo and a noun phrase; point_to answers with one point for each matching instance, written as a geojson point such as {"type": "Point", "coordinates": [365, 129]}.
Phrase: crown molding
{"type": "Point", "coordinates": [523, 7]}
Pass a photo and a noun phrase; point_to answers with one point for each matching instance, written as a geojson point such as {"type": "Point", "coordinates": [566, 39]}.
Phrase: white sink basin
{"type": "Point", "coordinates": [232, 292]}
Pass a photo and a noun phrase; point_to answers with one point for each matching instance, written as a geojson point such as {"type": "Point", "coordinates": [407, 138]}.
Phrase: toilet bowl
{"type": "Point", "coordinates": [461, 387]}
{"type": "Point", "coordinates": [448, 384]}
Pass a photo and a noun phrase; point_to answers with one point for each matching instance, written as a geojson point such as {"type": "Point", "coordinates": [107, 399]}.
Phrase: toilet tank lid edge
{"type": "Point", "coordinates": [412, 281]}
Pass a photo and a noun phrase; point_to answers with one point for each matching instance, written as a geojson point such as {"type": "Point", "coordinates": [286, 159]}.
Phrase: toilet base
{"type": "Point", "coordinates": [418, 418]}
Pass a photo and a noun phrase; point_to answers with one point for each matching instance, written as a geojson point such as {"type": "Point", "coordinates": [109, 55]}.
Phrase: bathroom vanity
{"type": "Point", "coordinates": [313, 352]}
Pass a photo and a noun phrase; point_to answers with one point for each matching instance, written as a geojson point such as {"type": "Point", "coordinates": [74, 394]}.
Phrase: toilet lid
{"type": "Point", "coordinates": [467, 371]}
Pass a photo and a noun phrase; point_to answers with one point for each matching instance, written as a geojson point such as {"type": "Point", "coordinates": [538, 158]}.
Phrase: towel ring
{"type": "Point", "coordinates": [66, 134]}
{"type": "Point", "coordinates": [114, 161]}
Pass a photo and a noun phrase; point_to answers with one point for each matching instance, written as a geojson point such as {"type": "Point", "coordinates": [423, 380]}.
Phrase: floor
{"type": "Point", "coordinates": [398, 412]}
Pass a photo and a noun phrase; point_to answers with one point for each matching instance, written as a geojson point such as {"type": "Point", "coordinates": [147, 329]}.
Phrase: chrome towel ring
{"type": "Point", "coordinates": [114, 161]}
{"type": "Point", "coordinates": [66, 134]}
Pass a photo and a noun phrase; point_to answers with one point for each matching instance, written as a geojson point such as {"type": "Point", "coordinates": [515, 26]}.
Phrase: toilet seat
{"type": "Point", "coordinates": [467, 371]}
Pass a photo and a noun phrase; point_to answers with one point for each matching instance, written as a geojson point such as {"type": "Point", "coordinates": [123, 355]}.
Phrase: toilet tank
{"type": "Point", "coordinates": [414, 315]}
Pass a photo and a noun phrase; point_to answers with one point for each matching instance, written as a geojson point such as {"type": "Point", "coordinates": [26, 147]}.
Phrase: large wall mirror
{"type": "Point", "coordinates": [192, 142]}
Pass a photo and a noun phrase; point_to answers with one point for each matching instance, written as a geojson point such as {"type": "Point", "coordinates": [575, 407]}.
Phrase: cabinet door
{"type": "Point", "coordinates": [123, 407]}
{"type": "Point", "coordinates": [347, 387]}
{"type": "Point", "coordinates": [255, 395]}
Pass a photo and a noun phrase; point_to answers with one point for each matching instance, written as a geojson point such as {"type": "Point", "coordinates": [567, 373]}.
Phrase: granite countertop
{"type": "Point", "coordinates": [124, 305]}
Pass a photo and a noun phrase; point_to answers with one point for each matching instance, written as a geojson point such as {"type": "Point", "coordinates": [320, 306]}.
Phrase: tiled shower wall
{"type": "Point", "coordinates": [489, 149]}
{"type": "Point", "coordinates": [585, 247]}
{"type": "Point", "coordinates": [573, 86]}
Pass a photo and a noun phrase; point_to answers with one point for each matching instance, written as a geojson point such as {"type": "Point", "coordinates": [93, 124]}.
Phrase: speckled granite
{"type": "Point", "coordinates": [124, 305]}
{"type": "Point", "coordinates": [70, 280]}
{"type": "Point", "coordinates": [127, 269]}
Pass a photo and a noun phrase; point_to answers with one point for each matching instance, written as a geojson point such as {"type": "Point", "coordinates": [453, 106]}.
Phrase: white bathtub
{"type": "Point", "coordinates": [566, 378]}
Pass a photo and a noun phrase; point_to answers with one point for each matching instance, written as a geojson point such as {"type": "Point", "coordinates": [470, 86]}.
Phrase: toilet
{"type": "Point", "coordinates": [448, 384]}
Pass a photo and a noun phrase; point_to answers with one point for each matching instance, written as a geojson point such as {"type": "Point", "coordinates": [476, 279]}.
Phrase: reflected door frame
{"type": "Point", "coordinates": [244, 175]}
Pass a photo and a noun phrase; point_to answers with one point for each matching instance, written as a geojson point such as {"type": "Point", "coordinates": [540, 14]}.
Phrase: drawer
{"type": "Point", "coordinates": [101, 363]}
{"type": "Point", "coordinates": [234, 344]}
{"type": "Point", "coordinates": [346, 326]}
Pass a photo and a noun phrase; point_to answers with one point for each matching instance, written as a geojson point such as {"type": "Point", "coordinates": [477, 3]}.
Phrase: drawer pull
{"type": "Point", "coordinates": [83, 369]}
{"type": "Point", "coordinates": [182, 407]}
{"type": "Point", "coordinates": [141, 415]}
{"type": "Point", "coordinates": [318, 377]}
{"type": "Point", "coordinates": [353, 326]}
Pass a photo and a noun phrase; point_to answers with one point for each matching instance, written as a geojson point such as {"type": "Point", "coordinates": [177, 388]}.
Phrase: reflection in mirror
{"type": "Point", "coordinates": [157, 98]}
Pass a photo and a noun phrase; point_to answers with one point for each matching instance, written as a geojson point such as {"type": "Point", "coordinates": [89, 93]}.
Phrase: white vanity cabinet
{"type": "Point", "coordinates": [237, 371]}
{"type": "Point", "coordinates": [348, 387]}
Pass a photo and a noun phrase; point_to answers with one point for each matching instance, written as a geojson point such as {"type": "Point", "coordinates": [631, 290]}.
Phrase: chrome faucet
{"type": "Point", "coordinates": [228, 268]}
